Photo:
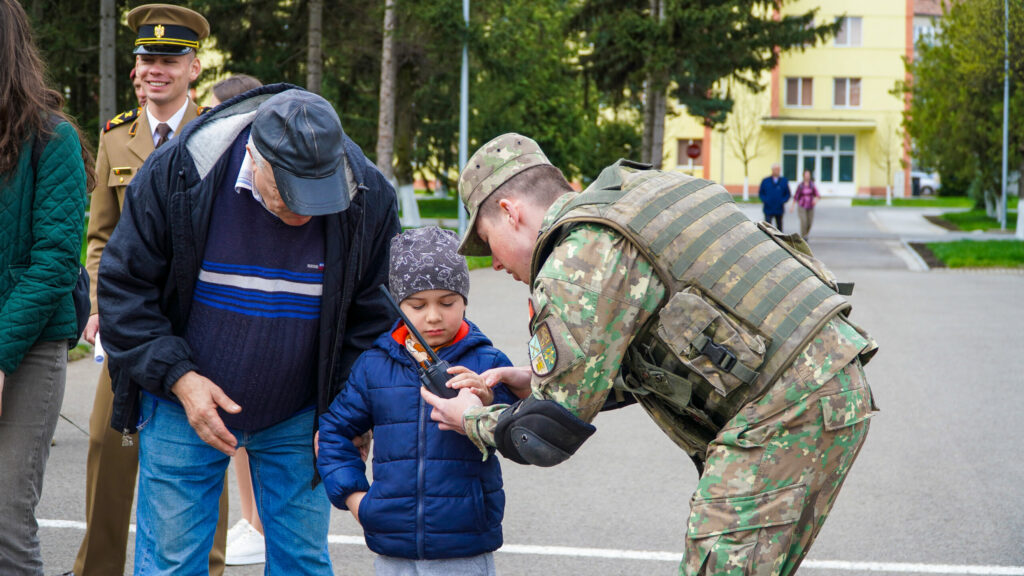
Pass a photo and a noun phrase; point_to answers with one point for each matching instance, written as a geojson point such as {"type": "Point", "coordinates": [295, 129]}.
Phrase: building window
{"type": "Point", "coordinates": [847, 93]}
{"type": "Point", "coordinates": [683, 150]}
{"type": "Point", "coordinates": [849, 33]}
{"type": "Point", "coordinates": [828, 163]}
{"type": "Point", "coordinates": [799, 92]}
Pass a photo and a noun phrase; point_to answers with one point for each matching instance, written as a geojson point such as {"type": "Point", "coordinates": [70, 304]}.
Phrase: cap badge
{"type": "Point", "coordinates": [158, 31]}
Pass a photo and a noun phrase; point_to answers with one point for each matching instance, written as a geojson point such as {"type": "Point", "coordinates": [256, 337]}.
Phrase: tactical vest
{"type": "Point", "coordinates": [742, 300]}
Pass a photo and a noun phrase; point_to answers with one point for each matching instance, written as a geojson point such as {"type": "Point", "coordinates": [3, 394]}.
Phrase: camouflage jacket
{"type": "Point", "coordinates": [591, 296]}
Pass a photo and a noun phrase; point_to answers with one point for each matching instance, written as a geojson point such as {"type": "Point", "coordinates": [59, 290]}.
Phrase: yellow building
{"type": "Point", "coordinates": [828, 109]}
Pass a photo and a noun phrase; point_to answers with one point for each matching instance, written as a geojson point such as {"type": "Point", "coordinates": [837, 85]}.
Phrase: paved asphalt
{"type": "Point", "coordinates": [937, 489]}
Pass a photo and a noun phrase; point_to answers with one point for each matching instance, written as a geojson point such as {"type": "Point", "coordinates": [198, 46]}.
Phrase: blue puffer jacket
{"type": "Point", "coordinates": [432, 495]}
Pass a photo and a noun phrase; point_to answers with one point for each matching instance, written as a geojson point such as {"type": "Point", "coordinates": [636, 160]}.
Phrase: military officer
{"type": "Point", "coordinates": [166, 63]}
{"type": "Point", "coordinates": [652, 286]}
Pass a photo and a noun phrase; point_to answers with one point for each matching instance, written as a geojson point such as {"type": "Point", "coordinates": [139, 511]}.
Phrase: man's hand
{"type": "Point", "coordinates": [448, 412]}
{"type": "Point", "coordinates": [516, 378]}
{"type": "Point", "coordinates": [201, 397]}
{"type": "Point", "coordinates": [466, 378]}
{"type": "Point", "coordinates": [352, 502]}
{"type": "Point", "coordinates": [2, 376]}
{"type": "Point", "coordinates": [91, 328]}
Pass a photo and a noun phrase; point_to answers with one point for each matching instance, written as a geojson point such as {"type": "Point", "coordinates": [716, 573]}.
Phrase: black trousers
{"type": "Point", "coordinates": [778, 220]}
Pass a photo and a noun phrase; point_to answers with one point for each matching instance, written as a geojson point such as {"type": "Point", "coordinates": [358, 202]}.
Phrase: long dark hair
{"type": "Point", "coordinates": [26, 102]}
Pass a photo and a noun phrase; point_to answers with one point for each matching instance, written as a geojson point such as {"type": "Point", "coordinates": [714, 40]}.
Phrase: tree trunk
{"type": "Point", "coordinates": [645, 147]}
{"type": "Point", "coordinates": [314, 50]}
{"type": "Point", "coordinates": [658, 131]}
{"type": "Point", "coordinates": [654, 106]}
{"type": "Point", "coordinates": [108, 81]}
{"type": "Point", "coordinates": [386, 116]}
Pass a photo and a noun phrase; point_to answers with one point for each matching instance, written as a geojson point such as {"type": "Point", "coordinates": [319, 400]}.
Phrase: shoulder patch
{"type": "Point", "coordinates": [543, 354]}
{"type": "Point", "coordinates": [122, 118]}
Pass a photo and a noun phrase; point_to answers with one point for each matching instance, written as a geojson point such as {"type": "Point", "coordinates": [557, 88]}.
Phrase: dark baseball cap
{"type": "Point", "coordinates": [300, 135]}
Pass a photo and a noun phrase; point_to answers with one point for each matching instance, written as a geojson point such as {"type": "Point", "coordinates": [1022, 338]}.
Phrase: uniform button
{"type": "Point", "coordinates": [121, 179]}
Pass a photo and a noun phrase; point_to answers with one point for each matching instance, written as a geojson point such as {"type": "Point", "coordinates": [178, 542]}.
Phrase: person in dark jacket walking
{"type": "Point", "coordinates": [44, 170]}
{"type": "Point", "coordinates": [434, 506]}
{"type": "Point", "coordinates": [235, 294]}
{"type": "Point", "coordinates": [774, 194]}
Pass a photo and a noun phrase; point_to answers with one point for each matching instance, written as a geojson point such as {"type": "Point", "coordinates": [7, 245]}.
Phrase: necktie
{"type": "Point", "coordinates": [162, 129]}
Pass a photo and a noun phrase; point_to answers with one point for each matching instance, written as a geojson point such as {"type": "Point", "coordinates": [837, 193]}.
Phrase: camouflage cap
{"type": "Point", "coordinates": [491, 166]}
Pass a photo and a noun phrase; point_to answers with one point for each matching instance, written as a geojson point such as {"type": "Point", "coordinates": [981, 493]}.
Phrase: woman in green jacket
{"type": "Point", "coordinates": [42, 203]}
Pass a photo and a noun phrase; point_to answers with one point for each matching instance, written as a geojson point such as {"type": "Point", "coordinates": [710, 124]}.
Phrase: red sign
{"type": "Point", "coordinates": [693, 150]}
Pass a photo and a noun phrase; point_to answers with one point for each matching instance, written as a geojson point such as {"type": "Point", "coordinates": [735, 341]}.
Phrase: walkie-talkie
{"type": "Point", "coordinates": [435, 375]}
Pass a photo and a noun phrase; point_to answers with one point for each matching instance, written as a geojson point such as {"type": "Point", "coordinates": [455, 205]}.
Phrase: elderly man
{"type": "Point", "coordinates": [235, 294]}
{"type": "Point", "coordinates": [774, 193]}
{"type": "Point", "coordinates": [653, 287]}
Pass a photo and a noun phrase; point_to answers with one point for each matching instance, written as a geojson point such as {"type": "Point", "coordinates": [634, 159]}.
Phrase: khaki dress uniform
{"type": "Point", "coordinates": [113, 460]}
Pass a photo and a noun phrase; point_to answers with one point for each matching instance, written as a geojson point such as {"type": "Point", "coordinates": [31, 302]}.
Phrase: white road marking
{"type": "Point", "coordinates": [836, 565]}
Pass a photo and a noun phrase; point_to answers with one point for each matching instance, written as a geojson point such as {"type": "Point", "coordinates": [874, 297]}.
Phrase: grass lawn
{"type": "Point", "coordinates": [980, 253]}
{"type": "Point", "coordinates": [438, 207]}
{"type": "Point", "coordinates": [978, 220]}
{"type": "Point", "coordinates": [930, 202]}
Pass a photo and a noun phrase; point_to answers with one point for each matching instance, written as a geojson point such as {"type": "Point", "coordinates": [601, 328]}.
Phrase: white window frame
{"type": "Point", "coordinates": [846, 33]}
{"type": "Point", "coordinates": [846, 92]}
{"type": "Point", "coordinates": [800, 92]}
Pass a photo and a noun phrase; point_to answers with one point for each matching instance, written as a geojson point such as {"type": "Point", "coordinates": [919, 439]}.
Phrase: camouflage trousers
{"type": "Point", "coordinates": [773, 473]}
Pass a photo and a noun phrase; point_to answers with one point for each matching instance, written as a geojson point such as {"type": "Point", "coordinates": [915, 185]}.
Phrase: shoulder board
{"type": "Point", "coordinates": [200, 110]}
{"type": "Point", "coordinates": [122, 118]}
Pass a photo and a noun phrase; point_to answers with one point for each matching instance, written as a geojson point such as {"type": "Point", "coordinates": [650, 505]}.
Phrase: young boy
{"type": "Point", "coordinates": [434, 506]}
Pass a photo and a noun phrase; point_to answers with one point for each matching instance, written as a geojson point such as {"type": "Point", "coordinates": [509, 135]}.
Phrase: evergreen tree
{"type": "Point", "coordinates": [685, 48]}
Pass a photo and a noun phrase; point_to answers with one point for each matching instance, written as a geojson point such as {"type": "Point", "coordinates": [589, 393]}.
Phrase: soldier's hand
{"type": "Point", "coordinates": [201, 398]}
{"type": "Point", "coordinates": [91, 328]}
{"type": "Point", "coordinates": [515, 378]}
{"type": "Point", "coordinates": [448, 412]}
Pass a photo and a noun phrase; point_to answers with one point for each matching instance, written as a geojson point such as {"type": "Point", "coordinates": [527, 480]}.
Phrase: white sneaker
{"type": "Point", "coordinates": [248, 548]}
{"type": "Point", "coordinates": [237, 530]}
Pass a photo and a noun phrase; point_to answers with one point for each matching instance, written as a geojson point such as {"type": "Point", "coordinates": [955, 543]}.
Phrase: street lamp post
{"type": "Point", "coordinates": [1006, 106]}
{"type": "Point", "coordinates": [464, 116]}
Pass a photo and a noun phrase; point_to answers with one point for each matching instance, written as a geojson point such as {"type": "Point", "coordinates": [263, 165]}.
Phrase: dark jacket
{"type": "Point", "coordinates": [432, 495]}
{"type": "Point", "coordinates": [41, 219]}
{"type": "Point", "coordinates": [774, 195]}
{"type": "Point", "coordinates": [150, 266]}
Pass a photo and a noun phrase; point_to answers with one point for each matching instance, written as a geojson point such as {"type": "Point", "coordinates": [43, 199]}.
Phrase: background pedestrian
{"type": "Point", "coordinates": [774, 193]}
{"type": "Point", "coordinates": [806, 197]}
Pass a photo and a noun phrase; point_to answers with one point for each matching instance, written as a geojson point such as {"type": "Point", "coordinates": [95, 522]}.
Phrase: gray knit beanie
{"type": "Point", "coordinates": [427, 259]}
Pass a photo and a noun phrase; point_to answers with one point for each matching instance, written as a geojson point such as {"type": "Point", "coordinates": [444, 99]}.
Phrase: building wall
{"type": "Point", "coordinates": [886, 30]}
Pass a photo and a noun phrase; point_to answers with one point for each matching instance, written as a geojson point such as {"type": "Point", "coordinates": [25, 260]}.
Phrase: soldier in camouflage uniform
{"type": "Point", "coordinates": [773, 424]}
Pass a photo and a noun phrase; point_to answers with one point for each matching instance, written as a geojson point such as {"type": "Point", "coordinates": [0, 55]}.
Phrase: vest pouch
{"type": "Point", "coordinates": [709, 342]}
{"type": "Point", "coordinates": [798, 248]}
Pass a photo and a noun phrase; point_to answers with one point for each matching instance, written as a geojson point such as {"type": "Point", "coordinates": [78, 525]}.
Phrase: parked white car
{"type": "Point", "coordinates": [926, 183]}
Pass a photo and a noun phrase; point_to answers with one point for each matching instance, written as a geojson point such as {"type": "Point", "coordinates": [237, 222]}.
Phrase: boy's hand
{"type": "Point", "coordinates": [515, 378]}
{"type": "Point", "coordinates": [466, 378]}
{"type": "Point", "coordinates": [363, 443]}
{"type": "Point", "coordinates": [353, 501]}
{"type": "Point", "coordinates": [316, 444]}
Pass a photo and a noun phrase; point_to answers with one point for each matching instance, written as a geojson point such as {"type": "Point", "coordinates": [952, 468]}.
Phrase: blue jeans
{"type": "Point", "coordinates": [181, 478]}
